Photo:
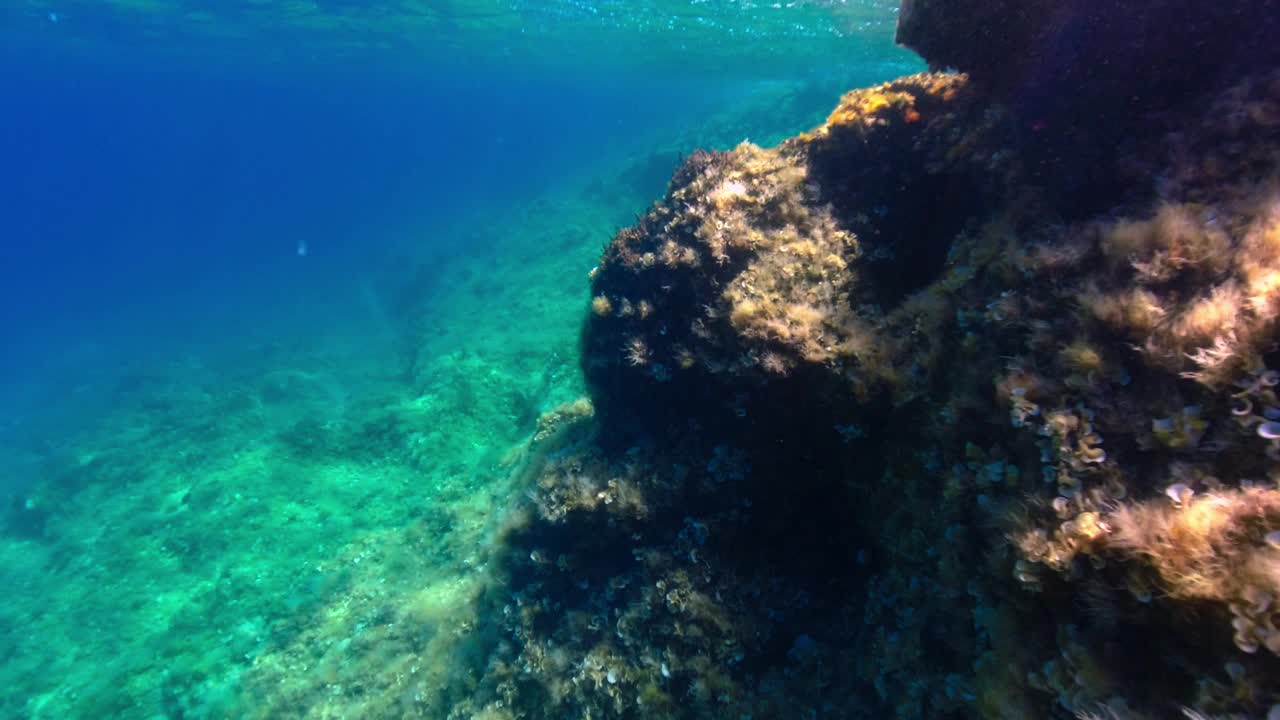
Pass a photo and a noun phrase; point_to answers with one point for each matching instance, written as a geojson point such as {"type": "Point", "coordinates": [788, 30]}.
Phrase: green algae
{"type": "Point", "coordinates": [181, 552]}
{"type": "Point", "coordinates": [259, 524]}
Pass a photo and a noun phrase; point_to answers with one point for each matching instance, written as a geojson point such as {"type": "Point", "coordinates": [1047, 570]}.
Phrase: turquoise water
{"type": "Point", "coordinates": [286, 286]}
{"type": "Point", "coordinates": [639, 360]}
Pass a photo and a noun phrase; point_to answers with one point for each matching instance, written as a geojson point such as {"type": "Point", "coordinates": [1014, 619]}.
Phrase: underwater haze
{"type": "Point", "coordinates": [286, 284]}
{"type": "Point", "coordinates": [640, 359]}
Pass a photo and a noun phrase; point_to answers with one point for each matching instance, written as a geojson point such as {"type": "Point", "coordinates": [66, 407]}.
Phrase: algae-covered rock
{"type": "Point", "coordinates": [903, 417]}
{"type": "Point", "coordinates": [764, 269]}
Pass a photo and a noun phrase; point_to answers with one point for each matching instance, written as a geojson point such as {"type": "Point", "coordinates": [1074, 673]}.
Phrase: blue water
{"type": "Point", "coordinates": [128, 183]}
{"type": "Point", "coordinates": [228, 225]}
{"type": "Point", "coordinates": [146, 163]}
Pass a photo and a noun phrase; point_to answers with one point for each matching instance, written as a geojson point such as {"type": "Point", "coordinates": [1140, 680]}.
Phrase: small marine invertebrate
{"type": "Point", "coordinates": [1241, 407]}
{"type": "Point", "coordinates": [684, 358]}
{"type": "Point", "coordinates": [1081, 357]}
{"type": "Point", "coordinates": [1181, 431]}
{"type": "Point", "coordinates": [637, 351]}
{"type": "Point", "coordinates": [775, 364]}
{"type": "Point", "coordinates": [1179, 494]}
{"type": "Point", "coordinates": [1021, 409]}
{"type": "Point", "coordinates": [601, 305]}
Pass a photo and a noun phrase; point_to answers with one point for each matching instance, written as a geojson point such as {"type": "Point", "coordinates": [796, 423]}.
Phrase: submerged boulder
{"type": "Point", "coordinates": [765, 271]}
{"type": "Point", "coordinates": [908, 417]}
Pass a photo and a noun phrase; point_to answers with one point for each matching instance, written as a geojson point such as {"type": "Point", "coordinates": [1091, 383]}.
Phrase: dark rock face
{"type": "Point", "coordinates": [1137, 54]}
{"type": "Point", "coordinates": [1086, 79]}
{"type": "Point", "coordinates": [764, 271]}
{"type": "Point", "coordinates": [930, 412]}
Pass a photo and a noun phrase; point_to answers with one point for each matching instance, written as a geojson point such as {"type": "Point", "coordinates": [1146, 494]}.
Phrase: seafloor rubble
{"type": "Point", "coordinates": [938, 410]}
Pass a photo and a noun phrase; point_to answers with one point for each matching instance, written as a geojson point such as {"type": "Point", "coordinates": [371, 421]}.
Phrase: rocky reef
{"type": "Point", "coordinates": [959, 405]}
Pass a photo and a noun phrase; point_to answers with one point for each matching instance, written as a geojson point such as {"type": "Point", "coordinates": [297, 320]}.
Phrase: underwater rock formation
{"type": "Point", "coordinates": [886, 422]}
{"type": "Point", "coordinates": [1068, 48]}
{"type": "Point", "coordinates": [1083, 78]}
{"type": "Point", "coordinates": [773, 268]}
